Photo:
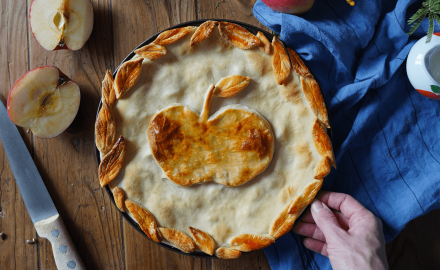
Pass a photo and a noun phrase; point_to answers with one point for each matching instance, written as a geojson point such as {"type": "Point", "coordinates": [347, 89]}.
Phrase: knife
{"type": "Point", "coordinates": [42, 211]}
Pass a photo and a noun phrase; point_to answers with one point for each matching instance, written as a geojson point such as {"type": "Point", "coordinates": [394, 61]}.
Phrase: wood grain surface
{"type": "Point", "coordinates": [67, 162]}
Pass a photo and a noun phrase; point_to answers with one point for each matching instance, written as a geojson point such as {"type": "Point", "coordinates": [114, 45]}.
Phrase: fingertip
{"type": "Point", "coordinates": [317, 205]}
{"type": "Point", "coordinates": [324, 218]}
{"type": "Point", "coordinates": [341, 202]}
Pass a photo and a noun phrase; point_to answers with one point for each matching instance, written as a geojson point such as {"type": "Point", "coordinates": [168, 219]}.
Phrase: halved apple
{"type": "Point", "coordinates": [44, 100]}
{"type": "Point", "coordinates": [61, 24]}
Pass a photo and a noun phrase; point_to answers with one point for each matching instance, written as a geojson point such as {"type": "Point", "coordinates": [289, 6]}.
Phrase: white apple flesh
{"type": "Point", "coordinates": [45, 101]}
{"type": "Point", "coordinates": [61, 24]}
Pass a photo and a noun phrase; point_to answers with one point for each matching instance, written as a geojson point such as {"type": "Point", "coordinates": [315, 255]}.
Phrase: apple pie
{"type": "Point", "coordinates": [213, 139]}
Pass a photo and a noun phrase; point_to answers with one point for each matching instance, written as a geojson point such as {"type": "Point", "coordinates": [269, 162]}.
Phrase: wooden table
{"type": "Point", "coordinates": [67, 163]}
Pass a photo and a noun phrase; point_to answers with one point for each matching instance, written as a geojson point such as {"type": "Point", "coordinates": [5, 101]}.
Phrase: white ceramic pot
{"type": "Point", "coordinates": [423, 66]}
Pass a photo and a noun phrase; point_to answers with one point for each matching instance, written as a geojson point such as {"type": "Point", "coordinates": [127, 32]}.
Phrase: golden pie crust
{"type": "Point", "coordinates": [230, 148]}
{"type": "Point", "coordinates": [232, 178]}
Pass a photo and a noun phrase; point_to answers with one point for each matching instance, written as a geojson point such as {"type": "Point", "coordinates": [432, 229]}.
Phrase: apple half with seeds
{"type": "Point", "coordinates": [44, 100]}
{"type": "Point", "coordinates": [61, 24]}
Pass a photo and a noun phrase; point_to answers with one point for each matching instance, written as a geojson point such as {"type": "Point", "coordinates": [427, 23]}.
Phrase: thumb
{"type": "Point", "coordinates": [325, 220]}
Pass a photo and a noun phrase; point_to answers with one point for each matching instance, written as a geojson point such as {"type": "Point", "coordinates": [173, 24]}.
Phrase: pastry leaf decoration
{"type": "Point", "coordinates": [322, 142]}
{"type": "Point", "coordinates": [108, 91]}
{"type": "Point", "coordinates": [203, 32]}
{"type": "Point", "coordinates": [179, 239]}
{"type": "Point", "coordinates": [112, 163]}
{"type": "Point", "coordinates": [298, 65]}
{"type": "Point", "coordinates": [151, 51]}
{"type": "Point", "coordinates": [119, 195]}
{"type": "Point", "coordinates": [280, 62]}
{"type": "Point", "coordinates": [203, 241]}
{"type": "Point", "coordinates": [265, 43]}
{"type": "Point", "coordinates": [127, 76]}
{"type": "Point", "coordinates": [322, 168]}
{"type": "Point", "coordinates": [231, 86]}
{"type": "Point", "coordinates": [315, 100]}
{"type": "Point", "coordinates": [170, 36]}
{"type": "Point", "coordinates": [247, 242]}
{"type": "Point", "coordinates": [146, 220]}
{"type": "Point", "coordinates": [306, 197]}
{"type": "Point", "coordinates": [226, 253]}
{"type": "Point", "coordinates": [105, 129]}
{"type": "Point", "coordinates": [238, 36]}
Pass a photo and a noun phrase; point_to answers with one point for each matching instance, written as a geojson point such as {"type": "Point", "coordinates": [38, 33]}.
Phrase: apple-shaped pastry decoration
{"type": "Point", "coordinates": [230, 148]}
{"type": "Point", "coordinates": [290, 6]}
{"type": "Point", "coordinates": [45, 101]}
{"type": "Point", "coordinates": [61, 24]}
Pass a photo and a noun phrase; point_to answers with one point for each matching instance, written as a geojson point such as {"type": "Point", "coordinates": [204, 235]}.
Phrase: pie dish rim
{"type": "Point", "coordinates": [253, 29]}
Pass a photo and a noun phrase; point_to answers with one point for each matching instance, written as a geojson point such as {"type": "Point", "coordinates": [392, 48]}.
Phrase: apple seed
{"type": "Point", "coordinates": [29, 241]}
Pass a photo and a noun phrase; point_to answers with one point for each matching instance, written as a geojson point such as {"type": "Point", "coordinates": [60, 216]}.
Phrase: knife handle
{"type": "Point", "coordinates": [64, 252]}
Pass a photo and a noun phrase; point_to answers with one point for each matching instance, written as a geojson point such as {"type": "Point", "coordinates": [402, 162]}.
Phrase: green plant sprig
{"type": "Point", "coordinates": [430, 8]}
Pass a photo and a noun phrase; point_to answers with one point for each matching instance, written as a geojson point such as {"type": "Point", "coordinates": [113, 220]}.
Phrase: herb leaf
{"type": "Point", "coordinates": [437, 18]}
{"type": "Point", "coordinates": [431, 27]}
{"type": "Point", "coordinates": [420, 13]}
{"type": "Point", "coordinates": [430, 8]}
{"type": "Point", "coordinates": [415, 26]}
{"type": "Point", "coordinates": [436, 8]}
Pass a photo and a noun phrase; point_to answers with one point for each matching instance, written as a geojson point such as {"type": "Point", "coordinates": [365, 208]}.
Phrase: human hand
{"type": "Point", "coordinates": [348, 234]}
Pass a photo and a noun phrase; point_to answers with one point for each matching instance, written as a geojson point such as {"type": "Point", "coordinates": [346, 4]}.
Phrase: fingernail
{"type": "Point", "coordinates": [317, 205]}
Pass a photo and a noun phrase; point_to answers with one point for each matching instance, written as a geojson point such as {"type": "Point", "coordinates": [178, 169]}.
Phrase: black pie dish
{"type": "Point", "coordinates": [254, 30]}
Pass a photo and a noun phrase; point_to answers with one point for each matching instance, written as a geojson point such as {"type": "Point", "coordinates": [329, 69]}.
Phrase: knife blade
{"type": "Point", "coordinates": [39, 204]}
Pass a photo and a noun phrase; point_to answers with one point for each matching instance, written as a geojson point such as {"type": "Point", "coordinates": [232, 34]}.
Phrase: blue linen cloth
{"type": "Point", "coordinates": [385, 134]}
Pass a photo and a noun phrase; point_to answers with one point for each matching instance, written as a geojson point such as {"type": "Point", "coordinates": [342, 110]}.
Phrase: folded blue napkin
{"type": "Point", "coordinates": [385, 134]}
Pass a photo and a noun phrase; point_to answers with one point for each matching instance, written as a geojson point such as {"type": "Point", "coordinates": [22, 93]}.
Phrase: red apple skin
{"type": "Point", "coordinates": [61, 74]}
{"type": "Point", "coordinates": [290, 6]}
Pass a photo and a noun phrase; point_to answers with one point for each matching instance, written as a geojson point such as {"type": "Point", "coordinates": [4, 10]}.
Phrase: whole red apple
{"type": "Point", "coordinates": [290, 6]}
